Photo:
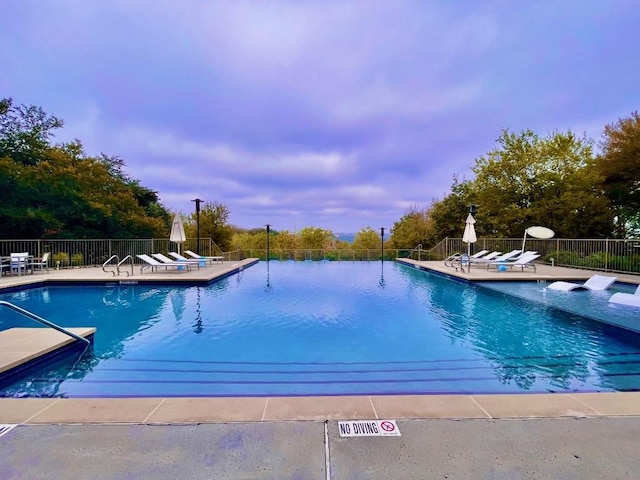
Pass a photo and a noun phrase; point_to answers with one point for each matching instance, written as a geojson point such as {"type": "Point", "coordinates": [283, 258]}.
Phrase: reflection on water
{"type": "Point", "coordinates": [335, 328]}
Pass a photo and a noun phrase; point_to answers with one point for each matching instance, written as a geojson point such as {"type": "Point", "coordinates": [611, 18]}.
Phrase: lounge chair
{"type": "Point", "coordinates": [154, 264]}
{"type": "Point", "coordinates": [502, 258]}
{"type": "Point", "coordinates": [596, 282]}
{"type": "Point", "coordinates": [523, 261]}
{"type": "Point", "coordinates": [180, 258]}
{"type": "Point", "coordinates": [217, 259]}
{"type": "Point", "coordinates": [456, 257]}
{"type": "Point", "coordinates": [164, 259]}
{"type": "Point", "coordinates": [630, 299]}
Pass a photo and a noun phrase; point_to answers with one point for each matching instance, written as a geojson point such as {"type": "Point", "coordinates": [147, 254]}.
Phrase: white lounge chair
{"type": "Point", "coordinates": [217, 259]}
{"type": "Point", "coordinates": [501, 258]}
{"type": "Point", "coordinates": [596, 282]}
{"type": "Point", "coordinates": [154, 264]}
{"type": "Point", "coordinates": [523, 261]}
{"type": "Point", "coordinates": [630, 299]}
{"type": "Point", "coordinates": [456, 259]}
{"type": "Point", "coordinates": [164, 259]}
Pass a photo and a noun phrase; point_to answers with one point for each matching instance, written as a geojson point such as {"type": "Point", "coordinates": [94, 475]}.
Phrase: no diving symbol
{"type": "Point", "coordinates": [387, 426]}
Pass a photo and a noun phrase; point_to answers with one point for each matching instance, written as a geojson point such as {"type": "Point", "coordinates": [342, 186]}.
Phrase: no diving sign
{"type": "Point", "coordinates": [369, 428]}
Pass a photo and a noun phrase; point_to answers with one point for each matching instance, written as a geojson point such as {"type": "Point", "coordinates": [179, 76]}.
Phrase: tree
{"type": "Point", "coordinates": [214, 224]}
{"type": "Point", "coordinates": [550, 181]}
{"type": "Point", "coordinates": [315, 238]}
{"type": "Point", "coordinates": [619, 167]}
{"type": "Point", "coordinates": [25, 131]}
{"type": "Point", "coordinates": [366, 239]}
{"type": "Point", "coordinates": [414, 228]}
{"type": "Point", "coordinates": [448, 215]}
{"type": "Point", "coordinates": [57, 191]}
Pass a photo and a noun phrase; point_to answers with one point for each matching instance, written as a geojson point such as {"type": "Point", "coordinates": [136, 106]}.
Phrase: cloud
{"type": "Point", "coordinates": [339, 114]}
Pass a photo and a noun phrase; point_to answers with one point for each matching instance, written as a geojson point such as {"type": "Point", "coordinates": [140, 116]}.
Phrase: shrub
{"type": "Point", "coordinates": [77, 259]}
{"type": "Point", "coordinates": [60, 259]}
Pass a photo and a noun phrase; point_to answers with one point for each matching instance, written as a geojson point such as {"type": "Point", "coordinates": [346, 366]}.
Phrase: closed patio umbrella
{"type": "Point", "coordinates": [177, 231]}
{"type": "Point", "coordinates": [469, 236]}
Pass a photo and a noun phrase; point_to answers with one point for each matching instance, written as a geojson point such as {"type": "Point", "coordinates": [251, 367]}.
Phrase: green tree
{"type": "Point", "coordinates": [550, 181]}
{"type": "Point", "coordinates": [366, 239]}
{"type": "Point", "coordinates": [315, 238]}
{"type": "Point", "coordinates": [284, 240]}
{"type": "Point", "coordinates": [448, 215]}
{"type": "Point", "coordinates": [25, 131]}
{"type": "Point", "coordinates": [619, 167]}
{"type": "Point", "coordinates": [58, 192]}
{"type": "Point", "coordinates": [415, 227]}
{"type": "Point", "coordinates": [214, 224]}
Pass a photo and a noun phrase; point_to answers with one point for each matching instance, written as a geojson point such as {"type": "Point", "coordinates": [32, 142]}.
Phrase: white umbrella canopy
{"type": "Point", "coordinates": [537, 232]}
{"type": "Point", "coordinates": [177, 231]}
{"type": "Point", "coordinates": [469, 235]}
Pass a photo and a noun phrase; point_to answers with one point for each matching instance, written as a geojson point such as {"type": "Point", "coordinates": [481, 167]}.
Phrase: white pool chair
{"type": "Point", "coordinates": [164, 259]}
{"type": "Point", "coordinates": [523, 261]}
{"type": "Point", "coordinates": [501, 258]}
{"type": "Point", "coordinates": [596, 282]}
{"type": "Point", "coordinates": [153, 264]}
{"type": "Point", "coordinates": [630, 299]}
{"type": "Point", "coordinates": [216, 259]}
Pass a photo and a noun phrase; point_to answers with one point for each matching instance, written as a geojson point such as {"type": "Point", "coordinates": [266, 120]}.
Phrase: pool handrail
{"type": "Point", "coordinates": [43, 321]}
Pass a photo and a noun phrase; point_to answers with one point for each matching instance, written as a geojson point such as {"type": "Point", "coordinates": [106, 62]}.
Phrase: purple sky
{"type": "Point", "coordinates": [333, 114]}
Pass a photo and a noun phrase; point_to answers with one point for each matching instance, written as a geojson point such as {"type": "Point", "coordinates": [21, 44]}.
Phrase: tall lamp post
{"type": "Point", "coordinates": [382, 243]}
{"type": "Point", "coordinates": [198, 202]}
{"type": "Point", "coordinates": [268, 251]}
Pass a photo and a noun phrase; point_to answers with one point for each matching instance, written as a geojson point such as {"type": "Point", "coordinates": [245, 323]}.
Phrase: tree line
{"type": "Point", "coordinates": [58, 191]}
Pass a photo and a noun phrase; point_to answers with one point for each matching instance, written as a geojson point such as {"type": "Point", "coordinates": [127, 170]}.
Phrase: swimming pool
{"type": "Point", "coordinates": [322, 328]}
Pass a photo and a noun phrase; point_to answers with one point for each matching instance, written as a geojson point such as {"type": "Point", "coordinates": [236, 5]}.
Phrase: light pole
{"type": "Point", "coordinates": [382, 243]}
{"type": "Point", "coordinates": [268, 230]}
{"type": "Point", "coordinates": [198, 201]}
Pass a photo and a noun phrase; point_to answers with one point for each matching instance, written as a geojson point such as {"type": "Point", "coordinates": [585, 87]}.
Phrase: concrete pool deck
{"type": "Point", "coordinates": [573, 436]}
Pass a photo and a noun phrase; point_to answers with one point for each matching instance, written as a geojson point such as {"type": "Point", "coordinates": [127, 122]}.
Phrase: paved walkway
{"type": "Point", "coordinates": [603, 449]}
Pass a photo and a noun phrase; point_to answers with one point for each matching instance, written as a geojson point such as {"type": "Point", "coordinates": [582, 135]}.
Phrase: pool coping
{"type": "Point", "coordinates": [159, 410]}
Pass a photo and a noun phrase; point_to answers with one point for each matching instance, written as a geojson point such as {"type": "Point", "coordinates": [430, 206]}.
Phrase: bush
{"type": "Point", "coordinates": [60, 259]}
{"type": "Point", "coordinates": [77, 260]}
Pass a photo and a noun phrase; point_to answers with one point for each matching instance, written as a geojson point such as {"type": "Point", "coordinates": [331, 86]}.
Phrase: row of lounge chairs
{"type": "Point", "coordinates": [159, 260]}
{"type": "Point", "coordinates": [514, 258]}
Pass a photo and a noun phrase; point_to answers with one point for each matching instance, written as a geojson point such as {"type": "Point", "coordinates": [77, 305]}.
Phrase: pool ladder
{"type": "Point", "coordinates": [417, 249]}
{"type": "Point", "coordinates": [41, 320]}
{"type": "Point", "coordinates": [119, 263]}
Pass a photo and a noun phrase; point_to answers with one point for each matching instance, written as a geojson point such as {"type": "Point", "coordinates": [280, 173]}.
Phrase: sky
{"type": "Point", "coordinates": [325, 113]}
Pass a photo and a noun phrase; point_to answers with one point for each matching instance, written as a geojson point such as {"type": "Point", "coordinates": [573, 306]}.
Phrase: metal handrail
{"type": "Point", "coordinates": [108, 262]}
{"type": "Point", "coordinates": [417, 249]}
{"type": "Point", "coordinates": [41, 320]}
{"type": "Point", "coordinates": [128, 257]}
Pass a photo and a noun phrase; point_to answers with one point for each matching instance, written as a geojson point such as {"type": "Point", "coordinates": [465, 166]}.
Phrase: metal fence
{"type": "Point", "coordinates": [605, 255]}
{"type": "Point", "coordinates": [78, 253]}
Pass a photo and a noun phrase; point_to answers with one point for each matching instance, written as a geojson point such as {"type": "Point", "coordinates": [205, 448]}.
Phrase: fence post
{"type": "Point", "coordinates": [606, 254]}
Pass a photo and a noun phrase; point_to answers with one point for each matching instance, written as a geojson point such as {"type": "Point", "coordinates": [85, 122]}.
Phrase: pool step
{"type": "Point", "coordinates": [20, 347]}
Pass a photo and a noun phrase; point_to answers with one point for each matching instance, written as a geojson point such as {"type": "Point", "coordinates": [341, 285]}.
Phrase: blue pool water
{"type": "Point", "coordinates": [323, 328]}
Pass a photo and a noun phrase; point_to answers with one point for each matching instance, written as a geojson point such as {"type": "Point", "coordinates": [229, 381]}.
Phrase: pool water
{"type": "Point", "coordinates": [322, 328]}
